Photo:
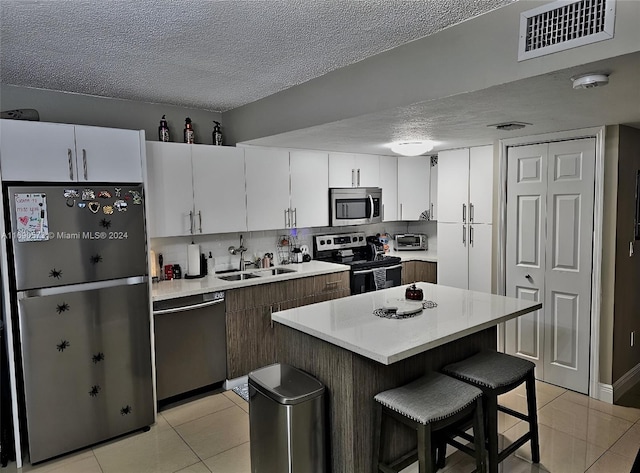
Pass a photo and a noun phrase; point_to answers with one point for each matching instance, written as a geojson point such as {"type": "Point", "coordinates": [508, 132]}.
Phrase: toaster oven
{"type": "Point", "coordinates": [411, 241]}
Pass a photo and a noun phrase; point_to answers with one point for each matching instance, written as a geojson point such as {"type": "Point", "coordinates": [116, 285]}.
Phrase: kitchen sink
{"type": "Point", "coordinates": [274, 271]}
{"type": "Point", "coordinates": [238, 277]}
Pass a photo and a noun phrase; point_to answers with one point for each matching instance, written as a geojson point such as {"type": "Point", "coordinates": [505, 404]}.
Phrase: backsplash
{"type": "Point", "coordinates": [174, 249]}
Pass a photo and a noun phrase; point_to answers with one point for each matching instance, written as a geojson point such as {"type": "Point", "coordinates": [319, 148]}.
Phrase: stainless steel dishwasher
{"type": "Point", "coordinates": [190, 343]}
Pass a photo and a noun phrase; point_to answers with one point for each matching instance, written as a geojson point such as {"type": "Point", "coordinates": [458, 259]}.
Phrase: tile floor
{"type": "Point", "coordinates": [211, 434]}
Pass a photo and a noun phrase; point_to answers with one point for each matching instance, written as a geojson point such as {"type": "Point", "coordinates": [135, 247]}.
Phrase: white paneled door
{"type": "Point", "coordinates": [550, 194]}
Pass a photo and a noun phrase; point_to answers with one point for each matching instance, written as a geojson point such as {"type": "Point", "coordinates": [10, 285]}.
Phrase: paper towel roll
{"type": "Point", "coordinates": [193, 260]}
{"type": "Point", "coordinates": [154, 264]}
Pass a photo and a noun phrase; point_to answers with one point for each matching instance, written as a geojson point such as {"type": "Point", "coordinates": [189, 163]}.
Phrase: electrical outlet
{"type": "Point", "coordinates": [633, 338]}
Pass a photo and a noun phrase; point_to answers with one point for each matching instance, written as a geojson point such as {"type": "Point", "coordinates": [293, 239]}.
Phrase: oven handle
{"type": "Point", "coordinates": [367, 271]}
{"type": "Point", "coordinates": [187, 307]}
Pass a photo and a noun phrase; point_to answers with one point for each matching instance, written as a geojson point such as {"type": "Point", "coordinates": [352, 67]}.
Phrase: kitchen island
{"type": "Point", "coordinates": [357, 354]}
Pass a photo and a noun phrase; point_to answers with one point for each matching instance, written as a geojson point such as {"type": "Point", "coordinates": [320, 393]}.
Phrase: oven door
{"type": "Point", "coordinates": [367, 280]}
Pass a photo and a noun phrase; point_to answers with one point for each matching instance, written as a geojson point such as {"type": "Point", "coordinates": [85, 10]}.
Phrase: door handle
{"type": "Point", "coordinates": [464, 213]}
{"type": "Point", "coordinates": [70, 154]}
{"type": "Point", "coordinates": [528, 276]}
{"type": "Point", "coordinates": [84, 164]}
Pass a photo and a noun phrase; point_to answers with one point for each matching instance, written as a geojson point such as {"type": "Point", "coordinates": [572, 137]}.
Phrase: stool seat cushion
{"type": "Point", "coordinates": [491, 370]}
{"type": "Point", "coordinates": [430, 398]}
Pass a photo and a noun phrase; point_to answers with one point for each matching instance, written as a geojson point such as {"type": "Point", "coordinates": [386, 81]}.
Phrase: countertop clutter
{"type": "Point", "coordinates": [350, 322]}
{"type": "Point", "coordinates": [186, 287]}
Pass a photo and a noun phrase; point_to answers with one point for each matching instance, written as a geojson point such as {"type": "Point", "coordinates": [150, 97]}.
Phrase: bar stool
{"type": "Point", "coordinates": [429, 405]}
{"type": "Point", "coordinates": [497, 373]}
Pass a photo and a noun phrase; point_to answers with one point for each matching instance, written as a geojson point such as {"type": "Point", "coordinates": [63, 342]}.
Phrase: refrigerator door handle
{"type": "Point", "coordinates": [70, 154]}
{"type": "Point", "coordinates": [84, 164]}
{"type": "Point", "coordinates": [50, 291]}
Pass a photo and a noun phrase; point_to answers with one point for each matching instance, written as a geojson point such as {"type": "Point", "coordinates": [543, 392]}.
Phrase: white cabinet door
{"type": "Point", "coordinates": [413, 186]}
{"type": "Point", "coordinates": [479, 257]}
{"type": "Point", "coordinates": [367, 170]}
{"type": "Point", "coordinates": [453, 184]}
{"type": "Point", "coordinates": [169, 189]}
{"type": "Point", "coordinates": [218, 189]}
{"type": "Point", "coordinates": [481, 184]}
{"type": "Point", "coordinates": [267, 176]}
{"type": "Point", "coordinates": [433, 193]}
{"type": "Point", "coordinates": [108, 154]}
{"type": "Point", "coordinates": [309, 172]}
{"type": "Point", "coordinates": [453, 261]}
{"type": "Point", "coordinates": [342, 170]}
{"type": "Point", "coordinates": [35, 151]}
{"type": "Point", "coordinates": [389, 185]}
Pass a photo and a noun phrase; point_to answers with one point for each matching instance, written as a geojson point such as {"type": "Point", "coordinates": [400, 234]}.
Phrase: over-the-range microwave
{"type": "Point", "coordinates": [355, 205]}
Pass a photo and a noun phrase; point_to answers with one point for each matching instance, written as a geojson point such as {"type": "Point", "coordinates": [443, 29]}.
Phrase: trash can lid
{"type": "Point", "coordinates": [285, 384]}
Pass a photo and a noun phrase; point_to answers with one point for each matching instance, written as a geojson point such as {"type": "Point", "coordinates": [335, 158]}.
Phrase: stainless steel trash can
{"type": "Point", "coordinates": [286, 420]}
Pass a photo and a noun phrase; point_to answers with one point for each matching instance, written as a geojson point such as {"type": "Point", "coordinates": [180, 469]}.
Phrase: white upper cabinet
{"type": "Point", "coordinates": [481, 184]}
{"type": "Point", "coordinates": [453, 185]}
{"type": "Point", "coordinates": [219, 197]}
{"type": "Point", "coordinates": [414, 178]}
{"type": "Point", "coordinates": [195, 189]}
{"type": "Point", "coordinates": [465, 185]}
{"type": "Point", "coordinates": [108, 154]}
{"type": "Point", "coordinates": [267, 175]}
{"type": "Point", "coordinates": [354, 170]}
{"type": "Point", "coordinates": [53, 152]}
{"type": "Point", "coordinates": [169, 189]}
{"type": "Point", "coordinates": [309, 172]}
{"type": "Point", "coordinates": [389, 185]}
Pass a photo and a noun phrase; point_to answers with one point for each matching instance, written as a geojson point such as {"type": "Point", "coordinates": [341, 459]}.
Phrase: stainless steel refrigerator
{"type": "Point", "coordinates": [80, 288]}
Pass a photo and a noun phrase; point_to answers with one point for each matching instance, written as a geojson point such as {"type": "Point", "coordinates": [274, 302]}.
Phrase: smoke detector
{"type": "Point", "coordinates": [589, 81]}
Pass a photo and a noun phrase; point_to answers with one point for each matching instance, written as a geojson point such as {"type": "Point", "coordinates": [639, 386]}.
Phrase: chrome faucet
{"type": "Point", "coordinates": [241, 249]}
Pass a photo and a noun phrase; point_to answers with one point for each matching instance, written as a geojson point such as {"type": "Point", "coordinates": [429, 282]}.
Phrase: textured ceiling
{"type": "Point", "coordinates": [548, 102]}
{"type": "Point", "coordinates": [208, 54]}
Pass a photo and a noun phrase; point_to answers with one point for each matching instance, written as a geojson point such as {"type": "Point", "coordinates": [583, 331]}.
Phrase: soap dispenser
{"type": "Point", "coordinates": [163, 130]}
{"type": "Point", "coordinates": [217, 134]}
{"type": "Point", "coordinates": [188, 131]}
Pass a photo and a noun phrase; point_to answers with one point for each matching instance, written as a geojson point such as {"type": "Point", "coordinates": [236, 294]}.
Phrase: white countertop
{"type": "Point", "coordinates": [187, 287]}
{"type": "Point", "coordinates": [415, 255]}
{"type": "Point", "coordinates": [349, 322]}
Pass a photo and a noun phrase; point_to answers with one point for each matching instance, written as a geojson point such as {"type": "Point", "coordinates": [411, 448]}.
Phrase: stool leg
{"type": "Point", "coordinates": [426, 462]}
{"type": "Point", "coordinates": [441, 453]}
{"type": "Point", "coordinates": [478, 438]}
{"type": "Point", "coordinates": [378, 442]}
{"type": "Point", "coordinates": [492, 432]}
{"type": "Point", "coordinates": [533, 417]}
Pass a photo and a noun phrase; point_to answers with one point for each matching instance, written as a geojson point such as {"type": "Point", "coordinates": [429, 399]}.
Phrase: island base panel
{"type": "Point", "coordinates": [353, 380]}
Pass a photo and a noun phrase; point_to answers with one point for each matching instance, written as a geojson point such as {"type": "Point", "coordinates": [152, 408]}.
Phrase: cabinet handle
{"type": "Point", "coordinates": [431, 213]}
{"type": "Point", "coordinates": [470, 212]}
{"type": "Point", "coordinates": [286, 218]}
{"type": "Point", "coordinates": [400, 211]}
{"type": "Point", "coordinates": [353, 178]}
{"type": "Point", "coordinates": [84, 164]}
{"type": "Point", "coordinates": [200, 219]}
{"type": "Point", "coordinates": [191, 221]}
{"type": "Point", "coordinates": [383, 212]}
{"type": "Point", "coordinates": [331, 283]}
{"type": "Point", "coordinates": [295, 217]}
{"type": "Point", "coordinates": [470, 235]}
{"type": "Point", "coordinates": [464, 213]}
{"type": "Point", "coordinates": [358, 177]}
{"type": "Point", "coordinates": [70, 154]}
{"type": "Point", "coordinates": [464, 235]}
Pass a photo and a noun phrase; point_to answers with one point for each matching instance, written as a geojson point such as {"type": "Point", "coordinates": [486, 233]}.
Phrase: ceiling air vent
{"type": "Point", "coordinates": [564, 25]}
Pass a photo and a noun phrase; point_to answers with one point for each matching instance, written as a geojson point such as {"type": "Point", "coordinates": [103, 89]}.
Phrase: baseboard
{"type": "Point", "coordinates": [232, 383]}
{"type": "Point", "coordinates": [605, 393]}
{"type": "Point", "coordinates": [626, 382]}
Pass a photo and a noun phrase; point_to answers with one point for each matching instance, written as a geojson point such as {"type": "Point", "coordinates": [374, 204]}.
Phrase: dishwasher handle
{"type": "Point", "coordinates": [185, 308]}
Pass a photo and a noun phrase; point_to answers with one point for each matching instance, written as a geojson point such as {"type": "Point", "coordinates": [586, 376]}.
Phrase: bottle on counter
{"type": "Point", "coordinates": [163, 130]}
{"type": "Point", "coordinates": [217, 134]}
{"type": "Point", "coordinates": [189, 136]}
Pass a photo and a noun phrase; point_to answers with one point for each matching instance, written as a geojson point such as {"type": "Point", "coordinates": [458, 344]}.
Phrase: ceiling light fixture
{"type": "Point", "coordinates": [412, 148]}
{"type": "Point", "coordinates": [589, 81]}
